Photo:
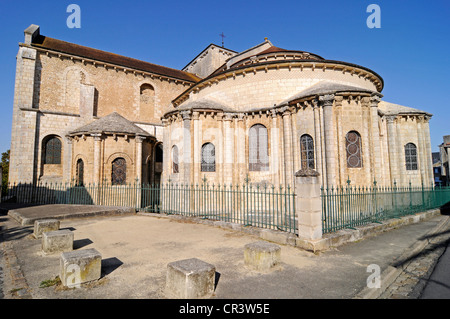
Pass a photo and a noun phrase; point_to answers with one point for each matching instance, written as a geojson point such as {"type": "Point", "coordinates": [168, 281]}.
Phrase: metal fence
{"type": "Point", "coordinates": [351, 206]}
{"type": "Point", "coordinates": [250, 205]}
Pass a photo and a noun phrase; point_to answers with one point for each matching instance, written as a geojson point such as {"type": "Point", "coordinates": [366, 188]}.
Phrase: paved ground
{"type": "Point", "coordinates": [136, 250]}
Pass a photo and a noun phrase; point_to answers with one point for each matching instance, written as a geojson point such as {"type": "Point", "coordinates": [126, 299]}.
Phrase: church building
{"type": "Point", "coordinates": [88, 116]}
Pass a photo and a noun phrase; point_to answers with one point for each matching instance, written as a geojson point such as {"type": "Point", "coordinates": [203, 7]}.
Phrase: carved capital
{"type": "Point", "coordinates": [326, 100]}
{"type": "Point", "coordinates": [390, 119]}
{"type": "Point", "coordinates": [374, 100]}
{"type": "Point", "coordinates": [140, 138]}
{"type": "Point", "coordinates": [97, 136]}
{"type": "Point", "coordinates": [186, 115]}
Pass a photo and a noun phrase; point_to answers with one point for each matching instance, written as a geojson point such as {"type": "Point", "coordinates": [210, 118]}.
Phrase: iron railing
{"type": "Point", "coordinates": [351, 206]}
{"type": "Point", "coordinates": [247, 204]}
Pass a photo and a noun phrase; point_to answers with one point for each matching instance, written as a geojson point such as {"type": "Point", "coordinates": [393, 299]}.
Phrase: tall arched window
{"type": "Point", "coordinates": [307, 151]}
{"type": "Point", "coordinates": [411, 157]}
{"type": "Point", "coordinates": [175, 159]}
{"type": "Point", "coordinates": [119, 171]}
{"type": "Point", "coordinates": [258, 148]}
{"type": "Point", "coordinates": [52, 151]}
{"type": "Point", "coordinates": [80, 172]}
{"type": "Point", "coordinates": [353, 147]}
{"type": "Point", "coordinates": [208, 158]}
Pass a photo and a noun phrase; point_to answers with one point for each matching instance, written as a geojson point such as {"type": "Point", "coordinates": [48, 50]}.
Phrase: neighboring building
{"type": "Point", "coordinates": [259, 115]}
{"type": "Point", "coordinates": [444, 160]}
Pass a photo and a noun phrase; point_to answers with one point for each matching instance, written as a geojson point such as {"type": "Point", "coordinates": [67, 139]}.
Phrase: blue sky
{"type": "Point", "coordinates": [410, 50]}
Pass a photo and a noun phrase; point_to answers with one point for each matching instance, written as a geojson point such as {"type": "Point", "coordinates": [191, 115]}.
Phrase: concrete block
{"type": "Point", "coordinates": [80, 266]}
{"type": "Point", "coordinates": [57, 241]}
{"type": "Point", "coordinates": [262, 255]}
{"type": "Point", "coordinates": [45, 225]}
{"type": "Point", "coordinates": [190, 279]}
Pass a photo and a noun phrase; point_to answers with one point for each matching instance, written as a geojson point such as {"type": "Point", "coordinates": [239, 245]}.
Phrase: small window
{"type": "Point", "coordinates": [208, 158]}
{"type": "Point", "coordinates": [353, 147]}
{"type": "Point", "coordinates": [307, 151]}
{"type": "Point", "coordinates": [411, 157]}
{"type": "Point", "coordinates": [119, 171]}
{"type": "Point", "coordinates": [175, 168]}
{"type": "Point", "coordinates": [258, 148]}
{"type": "Point", "coordinates": [52, 151]}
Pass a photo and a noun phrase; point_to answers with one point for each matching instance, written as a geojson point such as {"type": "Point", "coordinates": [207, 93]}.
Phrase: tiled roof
{"type": "Point", "coordinates": [44, 42]}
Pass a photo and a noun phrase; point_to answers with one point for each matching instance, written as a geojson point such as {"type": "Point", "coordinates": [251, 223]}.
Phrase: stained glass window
{"type": "Point", "coordinates": [119, 171]}
{"type": "Point", "coordinates": [307, 151]}
{"type": "Point", "coordinates": [353, 147]}
{"type": "Point", "coordinates": [258, 148]}
{"type": "Point", "coordinates": [208, 158]}
{"type": "Point", "coordinates": [411, 157]}
{"type": "Point", "coordinates": [52, 151]}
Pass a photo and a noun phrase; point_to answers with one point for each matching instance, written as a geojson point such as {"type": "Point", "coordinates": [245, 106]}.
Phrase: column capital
{"type": "Point", "coordinates": [140, 138]}
{"type": "Point", "coordinates": [374, 100]}
{"type": "Point", "coordinates": [186, 115]}
{"type": "Point", "coordinates": [195, 115]}
{"type": "Point", "coordinates": [228, 116]}
{"type": "Point", "coordinates": [326, 99]}
{"type": "Point", "coordinates": [390, 118]}
{"type": "Point", "coordinates": [97, 136]}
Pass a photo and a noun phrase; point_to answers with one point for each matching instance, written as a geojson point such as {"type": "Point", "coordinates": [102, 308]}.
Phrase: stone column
{"type": "Point", "coordinates": [392, 149]}
{"type": "Point", "coordinates": [138, 140]}
{"type": "Point", "coordinates": [97, 158]}
{"type": "Point", "coordinates": [308, 204]}
{"type": "Point", "coordinates": [341, 153]}
{"type": "Point", "coordinates": [330, 151]}
{"type": "Point", "coordinates": [289, 162]}
{"type": "Point", "coordinates": [166, 151]}
{"type": "Point", "coordinates": [228, 146]}
{"type": "Point", "coordinates": [274, 151]}
{"type": "Point", "coordinates": [197, 150]}
{"type": "Point", "coordinates": [185, 164]}
{"type": "Point", "coordinates": [427, 150]}
{"type": "Point", "coordinates": [240, 134]}
{"type": "Point", "coordinates": [375, 138]}
{"type": "Point", "coordinates": [318, 145]}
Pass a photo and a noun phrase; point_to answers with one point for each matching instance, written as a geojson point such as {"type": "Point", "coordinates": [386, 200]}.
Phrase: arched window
{"type": "Point", "coordinates": [119, 171]}
{"type": "Point", "coordinates": [80, 173]}
{"type": "Point", "coordinates": [52, 151]}
{"type": "Point", "coordinates": [175, 159]}
{"type": "Point", "coordinates": [411, 157]}
{"type": "Point", "coordinates": [208, 158]}
{"type": "Point", "coordinates": [258, 148]}
{"type": "Point", "coordinates": [353, 147]}
{"type": "Point", "coordinates": [307, 151]}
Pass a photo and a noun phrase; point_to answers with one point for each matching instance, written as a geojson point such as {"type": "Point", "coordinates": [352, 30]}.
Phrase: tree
{"type": "Point", "coordinates": [5, 169]}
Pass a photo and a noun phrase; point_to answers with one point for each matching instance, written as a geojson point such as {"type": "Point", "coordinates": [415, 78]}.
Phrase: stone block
{"type": "Point", "coordinates": [45, 225]}
{"type": "Point", "coordinates": [80, 266]}
{"type": "Point", "coordinates": [57, 241]}
{"type": "Point", "coordinates": [262, 255]}
{"type": "Point", "coordinates": [190, 279]}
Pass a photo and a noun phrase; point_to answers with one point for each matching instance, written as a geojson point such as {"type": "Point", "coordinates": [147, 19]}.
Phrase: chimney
{"type": "Point", "coordinates": [30, 33]}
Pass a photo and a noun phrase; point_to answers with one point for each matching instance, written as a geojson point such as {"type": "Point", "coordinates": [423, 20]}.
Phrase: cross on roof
{"type": "Point", "coordinates": [223, 36]}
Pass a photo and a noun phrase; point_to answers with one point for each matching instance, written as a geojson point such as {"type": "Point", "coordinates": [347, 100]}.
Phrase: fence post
{"type": "Point", "coordinates": [308, 204]}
